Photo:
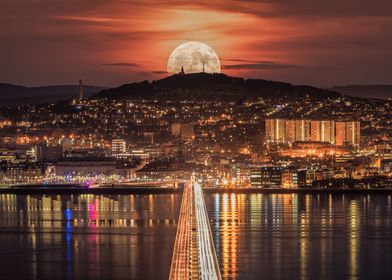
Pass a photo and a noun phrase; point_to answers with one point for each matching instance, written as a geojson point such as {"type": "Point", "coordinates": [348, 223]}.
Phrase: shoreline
{"type": "Point", "coordinates": [97, 191]}
{"type": "Point", "coordinates": [298, 191]}
{"type": "Point", "coordinates": [157, 190]}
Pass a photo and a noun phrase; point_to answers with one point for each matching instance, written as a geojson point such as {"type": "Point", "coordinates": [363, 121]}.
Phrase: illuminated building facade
{"type": "Point", "coordinates": [185, 130]}
{"type": "Point", "coordinates": [327, 131]}
{"type": "Point", "coordinates": [266, 176]}
{"type": "Point", "coordinates": [340, 133]}
{"type": "Point", "coordinates": [275, 130]}
{"type": "Point", "coordinates": [353, 134]}
{"type": "Point", "coordinates": [48, 153]}
{"type": "Point", "coordinates": [176, 129]}
{"type": "Point", "coordinates": [386, 166]}
{"type": "Point", "coordinates": [271, 175]}
{"type": "Point", "coordinates": [290, 178]}
{"type": "Point", "coordinates": [269, 130]}
{"type": "Point", "coordinates": [302, 130]}
{"type": "Point", "coordinates": [89, 167]}
{"type": "Point", "coordinates": [20, 172]}
{"type": "Point", "coordinates": [290, 131]}
{"type": "Point", "coordinates": [297, 130]}
{"type": "Point", "coordinates": [119, 146]}
{"type": "Point", "coordinates": [315, 129]}
{"type": "Point", "coordinates": [255, 178]}
{"type": "Point", "coordinates": [348, 133]}
{"type": "Point", "coordinates": [330, 131]}
{"type": "Point", "coordinates": [323, 131]}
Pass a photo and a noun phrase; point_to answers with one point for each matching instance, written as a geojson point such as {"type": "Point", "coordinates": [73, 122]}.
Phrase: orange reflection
{"type": "Point", "coordinates": [231, 209]}
{"type": "Point", "coordinates": [354, 239]}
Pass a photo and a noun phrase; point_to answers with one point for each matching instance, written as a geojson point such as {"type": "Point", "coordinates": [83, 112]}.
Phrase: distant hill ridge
{"type": "Point", "coordinates": [366, 91]}
{"type": "Point", "coordinates": [202, 86]}
{"type": "Point", "coordinates": [212, 84]}
{"type": "Point", "coordinates": [13, 94]}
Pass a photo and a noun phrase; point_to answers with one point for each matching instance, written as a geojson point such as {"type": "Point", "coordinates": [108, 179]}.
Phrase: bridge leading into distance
{"type": "Point", "coordinates": [194, 255]}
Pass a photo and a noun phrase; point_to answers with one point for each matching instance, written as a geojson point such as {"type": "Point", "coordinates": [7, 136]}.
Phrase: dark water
{"type": "Point", "coordinates": [256, 236]}
{"type": "Point", "coordinates": [297, 236]}
{"type": "Point", "coordinates": [87, 236]}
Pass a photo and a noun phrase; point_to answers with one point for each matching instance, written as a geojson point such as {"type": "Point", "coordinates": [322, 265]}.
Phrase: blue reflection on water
{"type": "Point", "coordinates": [68, 237]}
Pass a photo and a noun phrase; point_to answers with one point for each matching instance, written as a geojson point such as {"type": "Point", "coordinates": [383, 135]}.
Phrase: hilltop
{"type": "Point", "coordinates": [212, 86]}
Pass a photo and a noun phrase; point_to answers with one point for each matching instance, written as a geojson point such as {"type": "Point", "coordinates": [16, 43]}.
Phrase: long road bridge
{"type": "Point", "coordinates": [194, 255]}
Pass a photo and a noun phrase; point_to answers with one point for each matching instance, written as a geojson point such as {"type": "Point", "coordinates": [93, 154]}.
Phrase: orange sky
{"type": "Point", "coordinates": [110, 42]}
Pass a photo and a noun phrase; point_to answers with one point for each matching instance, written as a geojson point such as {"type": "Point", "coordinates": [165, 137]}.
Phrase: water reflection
{"type": "Point", "coordinates": [87, 236]}
{"type": "Point", "coordinates": [295, 236]}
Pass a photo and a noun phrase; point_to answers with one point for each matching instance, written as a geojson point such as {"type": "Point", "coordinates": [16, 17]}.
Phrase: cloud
{"type": "Point", "coordinates": [262, 8]}
{"type": "Point", "coordinates": [122, 64]}
{"type": "Point", "coordinates": [248, 61]}
{"type": "Point", "coordinates": [264, 65]}
{"type": "Point", "coordinates": [304, 8]}
{"type": "Point", "coordinates": [87, 20]}
{"type": "Point", "coordinates": [142, 73]}
{"type": "Point", "coordinates": [48, 41]}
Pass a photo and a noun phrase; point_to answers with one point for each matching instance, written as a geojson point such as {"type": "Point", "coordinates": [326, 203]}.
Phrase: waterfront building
{"type": "Point", "coordinates": [290, 178]}
{"type": "Point", "coordinates": [119, 146]}
{"type": "Point", "coordinates": [271, 175]}
{"type": "Point", "coordinates": [266, 176]}
{"type": "Point", "coordinates": [255, 178]}
{"type": "Point", "coordinates": [46, 153]}
{"type": "Point", "coordinates": [20, 172]}
{"type": "Point", "coordinates": [89, 167]}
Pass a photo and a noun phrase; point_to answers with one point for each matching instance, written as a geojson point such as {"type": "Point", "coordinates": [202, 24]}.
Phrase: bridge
{"type": "Point", "coordinates": [194, 255]}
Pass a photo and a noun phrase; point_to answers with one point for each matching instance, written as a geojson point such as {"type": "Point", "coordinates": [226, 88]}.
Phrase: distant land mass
{"type": "Point", "coordinates": [366, 91]}
{"type": "Point", "coordinates": [200, 86]}
{"type": "Point", "coordinates": [20, 95]}
{"type": "Point", "coordinates": [210, 87]}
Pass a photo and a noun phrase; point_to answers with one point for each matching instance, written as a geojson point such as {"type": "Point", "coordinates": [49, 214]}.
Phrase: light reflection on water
{"type": "Point", "coordinates": [87, 236]}
{"type": "Point", "coordinates": [256, 236]}
{"type": "Point", "coordinates": [294, 236]}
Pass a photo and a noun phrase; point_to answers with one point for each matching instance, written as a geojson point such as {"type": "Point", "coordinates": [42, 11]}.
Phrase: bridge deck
{"type": "Point", "coordinates": [194, 254]}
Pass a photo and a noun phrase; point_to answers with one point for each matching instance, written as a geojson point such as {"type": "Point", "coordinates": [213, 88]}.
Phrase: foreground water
{"type": "Point", "coordinates": [87, 237]}
{"type": "Point", "coordinates": [290, 236]}
{"type": "Point", "coordinates": [296, 236]}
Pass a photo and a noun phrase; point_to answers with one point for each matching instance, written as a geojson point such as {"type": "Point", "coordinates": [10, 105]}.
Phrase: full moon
{"type": "Point", "coordinates": [195, 57]}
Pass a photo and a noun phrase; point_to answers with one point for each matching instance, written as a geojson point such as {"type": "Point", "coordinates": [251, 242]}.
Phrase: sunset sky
{"type": "Point", "coordinates": [110, 42]}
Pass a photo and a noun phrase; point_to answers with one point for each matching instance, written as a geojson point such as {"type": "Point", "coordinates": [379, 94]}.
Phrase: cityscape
{"type": "Point", "coordinates": [303, 142]}
{"type": "Point", "coordinates": [235, 140]}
